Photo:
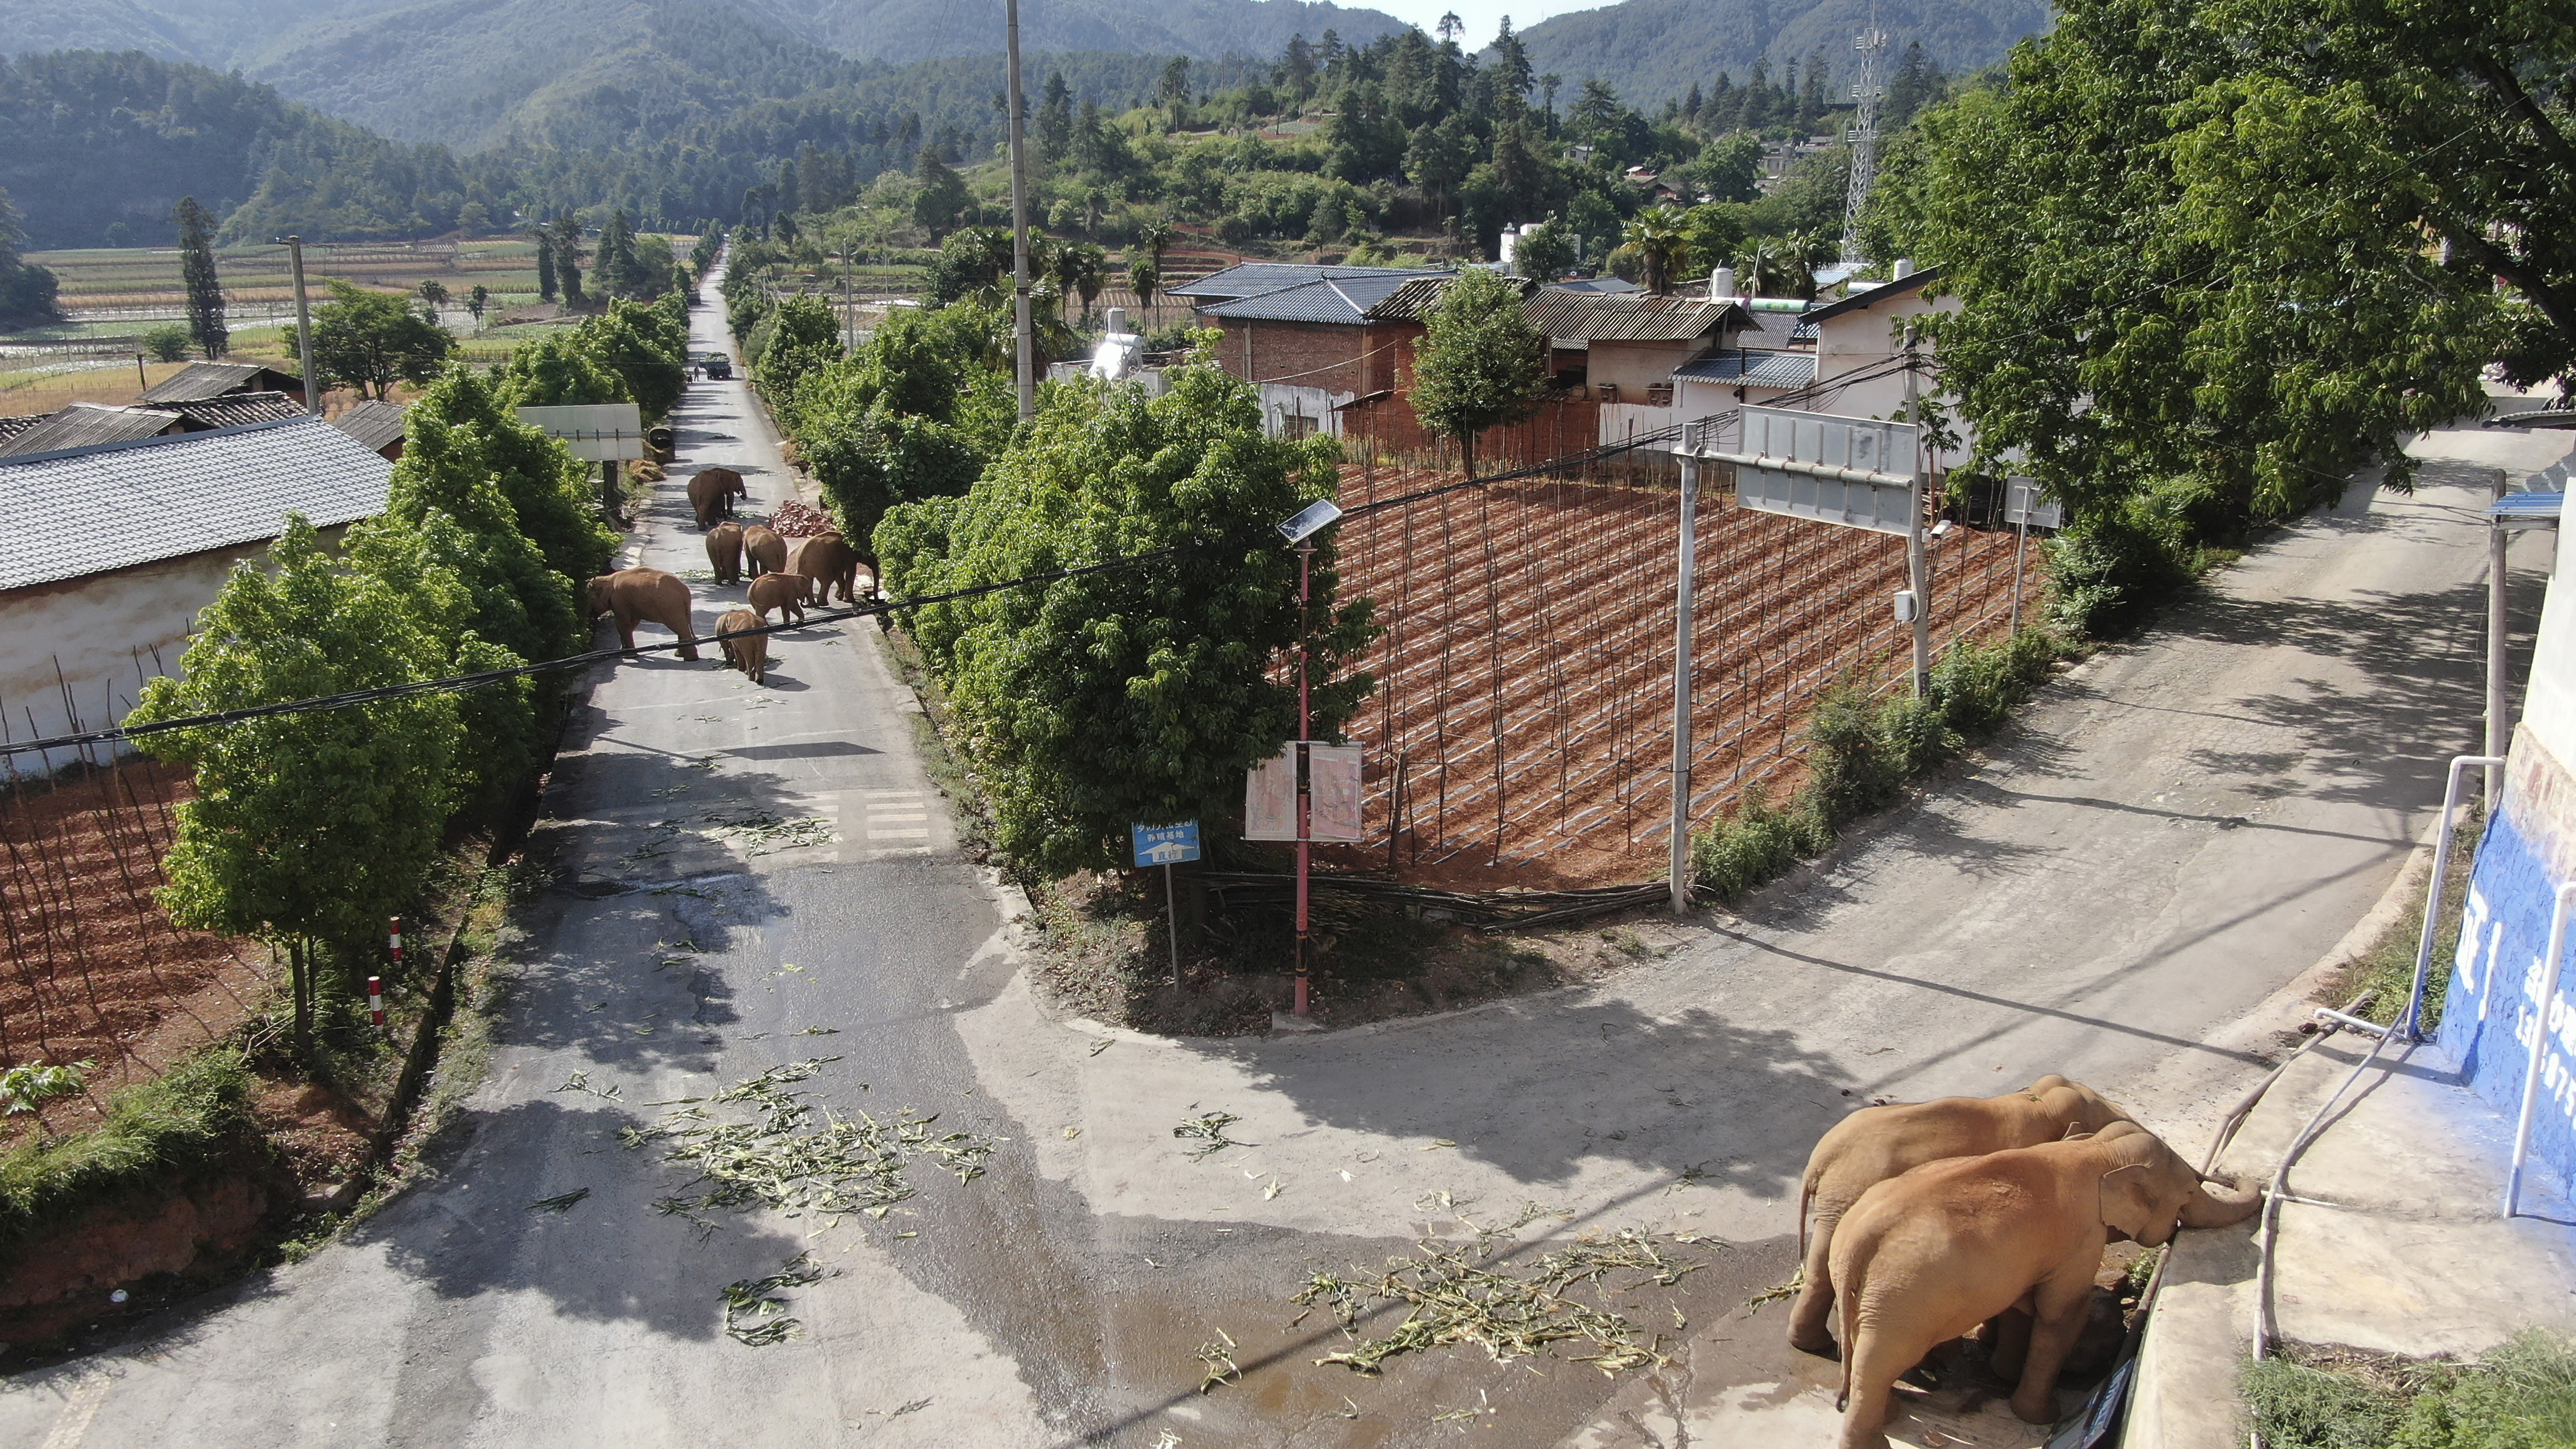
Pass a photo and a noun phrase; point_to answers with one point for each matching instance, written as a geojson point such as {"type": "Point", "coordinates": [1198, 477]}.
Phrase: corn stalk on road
{"type": "Point", "coordinates": [749, 878]}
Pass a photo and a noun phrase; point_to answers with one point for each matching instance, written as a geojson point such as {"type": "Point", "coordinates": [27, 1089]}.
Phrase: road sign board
{"type": "Point", "coordinates": [1858, 472]}
{"type": "Point", "coordinates": [2022, 504]}
{"type": "Point", "coordinates": [1165, 844]}
{"type": "Point", "coordinates": [1332, 795]}
{"type": "Point", "coordinates": [596, 432]}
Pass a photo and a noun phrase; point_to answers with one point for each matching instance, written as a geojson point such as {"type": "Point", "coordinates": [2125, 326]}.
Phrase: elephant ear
{"type": "Point", "coordinates": [2135, 1205]}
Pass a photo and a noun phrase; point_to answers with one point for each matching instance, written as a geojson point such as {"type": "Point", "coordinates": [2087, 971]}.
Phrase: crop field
{"type": "Point", "coordinates": [120, 285]}
{"type": "Point", "coordinates": [1521, 732]}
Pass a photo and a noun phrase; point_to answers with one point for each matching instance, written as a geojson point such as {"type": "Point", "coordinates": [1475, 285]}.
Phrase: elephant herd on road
{"type": "Point", "coordinates": [786, 575]}
{"type": "Point", "coordinates": [1919, 1222]}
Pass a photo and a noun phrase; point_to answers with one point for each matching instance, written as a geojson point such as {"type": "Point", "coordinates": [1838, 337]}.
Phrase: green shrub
{"type": "Point", "coordinates": [2297, 1407]}
{"type": "Point", "coordinates": [195, 1116]}
{"type": "Point", "coordinates": [2521, 1396]}
{"type": "Point", "coordinates": [167, 344]}
{"type": "Point", "coordinates": [1756, 845]}
{"type": "Point", "coordinates": [2110, 569]}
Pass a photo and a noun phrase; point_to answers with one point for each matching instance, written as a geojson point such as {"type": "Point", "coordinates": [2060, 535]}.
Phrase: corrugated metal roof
{"type": "Point", "coordinates": [235, 409]}
{"type": "Point", "coordinates": [1625, 317]}
{"type": "Point", "coordinates": [70, 515]}
{"type": "Point", "coordinates": [11, 427]}
{"type": "Point", "coordinates": [1773, 330]}
{"type": "Point", "coordinates": [1871, 296]}
{"type": "Point", "coordinates": [83, 425]}
{"type": "Point", "coordinates": [1344, 300]}
{"type": "Point", "coordinates": [1245, 279]}
{"type": "Point", "coordinates": [202, 380]}
{"type": "Point", "coordinates": [374, 424]}
{"type": "Point", "coordinates": [1752, 369]}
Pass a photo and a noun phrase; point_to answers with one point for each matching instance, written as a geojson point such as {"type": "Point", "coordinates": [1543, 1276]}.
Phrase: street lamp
{"type": "Point", "coordinates": [1300, 533]}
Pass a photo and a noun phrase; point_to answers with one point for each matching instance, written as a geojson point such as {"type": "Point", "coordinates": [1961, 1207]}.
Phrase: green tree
{"type": "Point", "coordinates": [565, 236]}
{"type": "Point", "coordinates": [1730, 167]}
{"type": "Point", "coordinates": [614, 264]}
{"type": "Point", "coordinates": [1655, 237]}
{"type": "Point", "coordinates": [197, 275]}
{"type": "Point", "coordinates": [557, 371]}
{"type": "Point", "coordinates": [1144, 279]}
{"type": "Point", "coordinates": [27, 291]}
{"type": "Point", "coordinates": [1544, 252]}
{"type": "Point", "coordinates": [1139, 693]}
{"type": "Point", "coordinates": [371, 341]}
{"type": "Point", "coordinates": [804, 335]}
{"type": "Point", "coordinates": [645, 348]}
{"type": "Point", "coordinates": [915, 415]}
{"type": "Point", "coordinates": [308, 829]}
{"type": "Point", "coordinates": [1479, 363]}
{"type": "Point", "coordinates": [478, 302]}
{"type": "Point", "coordinates": [167, 344]}
{"type": "Point", "coordinates": [1090, 269]}
{"type": "Point", "coordinates": [432, 292]}
{"type": "Point", "coordinates": [943, 196]}
{"type": "Point", "coordinates": [548, 489]}
{"type": "Point", "coordinates": [547, 286]}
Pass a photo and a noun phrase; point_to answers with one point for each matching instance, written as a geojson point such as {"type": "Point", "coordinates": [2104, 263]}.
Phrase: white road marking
{"type": "Point", "coordinates": [82, 1407]}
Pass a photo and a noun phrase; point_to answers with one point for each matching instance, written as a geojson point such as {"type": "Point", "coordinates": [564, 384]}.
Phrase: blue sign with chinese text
{"type": "Point", "coordinates": [1166, 844]}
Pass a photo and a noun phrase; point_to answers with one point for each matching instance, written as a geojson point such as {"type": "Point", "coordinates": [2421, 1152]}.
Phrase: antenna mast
{"type": "Point", "coordinates": [1870, 44]}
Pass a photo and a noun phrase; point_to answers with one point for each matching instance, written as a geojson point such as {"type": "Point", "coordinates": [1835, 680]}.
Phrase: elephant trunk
{"type": "Point", "coordinates": [2217, 1203]}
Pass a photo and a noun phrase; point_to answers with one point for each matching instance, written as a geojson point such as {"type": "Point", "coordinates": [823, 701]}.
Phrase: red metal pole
{"type": "Point", "coordinates": [1305, 726]}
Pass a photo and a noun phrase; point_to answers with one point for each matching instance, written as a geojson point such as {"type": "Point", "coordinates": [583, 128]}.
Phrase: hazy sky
{"type": "Point", "coordinates": [1483, 17]}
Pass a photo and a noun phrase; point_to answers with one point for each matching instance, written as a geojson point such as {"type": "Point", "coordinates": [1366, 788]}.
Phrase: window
{"type": "Point", "coordinates": [1293, 426]}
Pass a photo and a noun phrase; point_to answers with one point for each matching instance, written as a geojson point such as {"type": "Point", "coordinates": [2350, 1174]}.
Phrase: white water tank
{"type": "Point", "coordinates": [1904, 268]}
{"type": "Point", "coordinates": [1721, 285]}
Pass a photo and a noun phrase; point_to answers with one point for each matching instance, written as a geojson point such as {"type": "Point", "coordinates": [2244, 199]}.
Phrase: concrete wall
{"type": "Point", "coordinates": [107, 633]}
{"type": "Point", "coordinates": [2495, 1017]}
{"type": "Point", "coordinates": [1281, 402]}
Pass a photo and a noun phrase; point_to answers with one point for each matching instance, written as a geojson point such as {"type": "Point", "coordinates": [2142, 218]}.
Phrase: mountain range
{"type": "Point", "coordinates": [1655, 50]}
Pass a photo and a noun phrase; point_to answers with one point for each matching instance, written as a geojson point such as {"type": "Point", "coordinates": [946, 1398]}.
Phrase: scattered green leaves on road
{"type": "Point", "coordinates": [1210, 1130]}
{"type": "Point", "coordinates": [1454, 1297]}
{"type": "Point", "coordinates": [1218, 1355]}
{"type": "Point", "coordinates": [561, 1202]}
{"type": "Point", "coordinates": [754, 1316]}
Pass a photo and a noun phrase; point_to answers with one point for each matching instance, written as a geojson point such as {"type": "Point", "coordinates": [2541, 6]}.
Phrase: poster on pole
{"type": "Point", "coordinates": [1333, 799]}
{"type": "Point", "coordinates": [1270, 798]}
{"type": "Point", "coordinates": [2023, 505]}
{"type": "Point", "coordinates": [595, 432]}
{"type": "Point", "coordinates": [1858, 472]}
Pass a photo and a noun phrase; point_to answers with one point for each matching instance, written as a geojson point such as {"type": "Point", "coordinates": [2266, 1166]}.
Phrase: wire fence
{"type": "Point", "coordinates": [1521, 728]}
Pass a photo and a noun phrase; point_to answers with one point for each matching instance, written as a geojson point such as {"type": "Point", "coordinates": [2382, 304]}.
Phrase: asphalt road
{"type": "Point", "coordinates": [758, 876]}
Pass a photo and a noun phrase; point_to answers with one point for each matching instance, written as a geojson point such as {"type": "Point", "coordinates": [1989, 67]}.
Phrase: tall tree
{"type": "Point", "coordinates": [547, 286]}
{"type": "Point", "coordinates": [197, 275]}
{"type": "Point", "coordinates": [370, 341]}
{"type": "Point", "coordinates": [27, 291]}
{"type": "Point", "coordinates": [1479, 363]}
{"type": "Point", "coordinates": [566, 235]}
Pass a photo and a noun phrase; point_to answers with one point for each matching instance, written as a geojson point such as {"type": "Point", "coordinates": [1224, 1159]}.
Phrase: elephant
{"type": "Point", "coordinates": [766, 550]}
{"type": "Point", "coordinates": [1925, 1256]}
{"type": "Point", "coordinates": [746, 652]}
{"type": "Point", "coordinates": [783, 592]}
{"type": "Point", "coordinates": [648, 594]}
{"type": "Point", "coordinates": [724, 552]}
{"type": "Point", "coordinates": [712, 492]}
{"type": "Point", "coordinates": [1877, 1143]}
{"type": "Point", "coordinates": [830, 562]}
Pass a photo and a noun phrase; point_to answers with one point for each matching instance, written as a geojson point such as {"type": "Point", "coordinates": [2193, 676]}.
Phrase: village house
{"type": "Point", "coordinates": [378, 427]}
{"type": "Point", "coordinates": [108, 552]}
{"type": "Point", "coordinates": [1309, 338]}
{"type": "Point", "coordinates": [203, 381]}
{"type": "Point", "coordinates": [82, 425]}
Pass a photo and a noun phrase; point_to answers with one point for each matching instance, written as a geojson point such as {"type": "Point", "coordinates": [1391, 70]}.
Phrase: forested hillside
{"type": "Point", "coordinates": [1656, 50]}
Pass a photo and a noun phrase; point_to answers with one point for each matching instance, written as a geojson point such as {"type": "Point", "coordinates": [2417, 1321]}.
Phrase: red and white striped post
{"type": "Point", "coordinates": [376, 998]}
{"type": "Point", "coordinates": [396, 933]}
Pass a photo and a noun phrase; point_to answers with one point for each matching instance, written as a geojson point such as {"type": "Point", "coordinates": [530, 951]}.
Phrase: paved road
{"type": "Point", "coordinates": [2177, 830]}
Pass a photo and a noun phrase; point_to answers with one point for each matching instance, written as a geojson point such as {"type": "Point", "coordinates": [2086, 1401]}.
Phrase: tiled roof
{"type": "Point", "coordinates": [1245, 279]}
{"type": "Point", "coordinates": [1599, 284]}
{"type": "Point", "coordinates": [1752, 369]}
{"type": "Point", "coordinates": [374, 424]}
{"type": "Point", "coordinates": [1774, 329]}
{"type": "Point", "coordinates": [11, 427]}
{"type": "Point", "coordinates": [1625, 317]}
{"type": "Point", "coordinates": [234, 409]}
{"type": "Point", "coordinates": [202, 380]}
{"type": "Point", "coordinates": [179, 495]}
{"type": "Point", "coordinates": [1345, 300]}
{"type": "Point", "coordinates": [83, 425]}
{"type": "Point", "coordinates": [1871, 296]}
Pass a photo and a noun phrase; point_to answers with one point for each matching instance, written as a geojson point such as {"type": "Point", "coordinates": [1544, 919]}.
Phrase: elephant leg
{"type": "Point", "coordinates": [688, 639]}
{"type": "Point", "coordinates": [1811, 1317]}
{"type": "Point", "coordinates": [2057, 1316]}
{"type": "Point", "coordinates": [2008, 1342]}
{"type": "Point", "coordinates": [1875, 1365]}
{"type": "Point", "coordinates": [626, 632]}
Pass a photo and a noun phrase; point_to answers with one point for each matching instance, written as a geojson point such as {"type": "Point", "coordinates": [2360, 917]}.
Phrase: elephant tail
{"type": "Point", "coordinates": [1847, 1327]}
{"type": "Point", "coordinates": [1806, 1200]}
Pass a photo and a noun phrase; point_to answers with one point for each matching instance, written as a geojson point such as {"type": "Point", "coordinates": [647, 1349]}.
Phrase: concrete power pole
{"type": "Point", "coordinates": [1020, 220]}
{"type": "Point", "coordinates": [304, 330]}
{"type": "Point", "coordinates": [1870, 44]}
{"type": "Point", "coordinates": [1685, 576]}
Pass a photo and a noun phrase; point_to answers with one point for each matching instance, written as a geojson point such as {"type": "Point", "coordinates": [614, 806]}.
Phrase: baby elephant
{"type": "Point", "coordinates": [783, 592]}
{"type": "Point", "coordinates": [1926, 1256]}
{"type": "Point", "coordinates": [746, 652]}
{"type": "Point", "coordinates": [1876, 1143]}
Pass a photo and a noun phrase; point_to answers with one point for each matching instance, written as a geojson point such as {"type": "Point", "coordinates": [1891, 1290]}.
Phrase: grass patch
{"type": "Point", "coordinates": [194, 1117]}
{"type": "Point", "coordinates": [2521, 1395]}
{"type": "Point", "coordinates": [1861, 751]}
{"type": "Point", "coordinates": [2388, 968]}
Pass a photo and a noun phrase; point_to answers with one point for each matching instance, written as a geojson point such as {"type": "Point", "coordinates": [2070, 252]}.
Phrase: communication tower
{"type": "Point", "coordinates": [1870, 45]}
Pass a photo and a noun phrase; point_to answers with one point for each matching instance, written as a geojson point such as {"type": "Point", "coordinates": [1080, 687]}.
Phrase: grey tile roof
{"type": "Point", "coordinates": [374, 424]}
{"type": "Point", "coordinates": [202, 380]}
{"type": "Point", "coordinates": [1752, 369]}
{"type": "Point", "coordinates": [1245, 279]}
{"type": "Point", "coordinates": [83, 425]}
{"type": "Point", "coordinates": [1345, 300]}
{"type": "Point", "coordinates": [184, 494]}
{"type": "Point", "coordinates": [11, 427]}
{"type": "Point", "coordinates": [234, 409]}
{"type": "Point", "coordinates": [1625, 317]}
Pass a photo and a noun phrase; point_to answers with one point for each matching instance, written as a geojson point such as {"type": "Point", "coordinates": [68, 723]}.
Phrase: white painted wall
{"type": "Point", "coordinates": [2549, 703]}
{"type": "Point", "coordinates": [102, 631]}
{"type": "Point", "coordinates": [1281, 401]}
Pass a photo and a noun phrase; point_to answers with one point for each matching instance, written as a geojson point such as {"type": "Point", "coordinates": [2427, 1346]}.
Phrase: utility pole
{"type": "Point", "coordinates": [1020, 220]}
{"type": "Point", "coordinates": [1918, 567]}
{"type": "Point", "coordinates": [1686, 576]}
{"type": "Point", "coordinates": [2499, 722]}
{"type": "Point", "coordinates": [304, 329]}
{"type": "Point", "coordinates": [1863, 135]}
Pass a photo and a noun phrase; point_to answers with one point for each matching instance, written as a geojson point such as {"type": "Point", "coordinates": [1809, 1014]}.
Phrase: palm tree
{"type": "Point", "coordinates": [1144, 279]}
{"type": "Point", "coordinates": [1657, 237]}
{"type": "Point", "coordinates": [1090, 267]}
{"type": "Point", "coordinates": [1155, 237]}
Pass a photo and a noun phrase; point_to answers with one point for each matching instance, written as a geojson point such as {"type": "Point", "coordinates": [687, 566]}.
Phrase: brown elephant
{"type": "Point", "coordinates": [712, 492]}
{"type": "Point", "coordinates": [1876, 1143]}
{"type": "Point", "coordinates": [831, 563]}
{"type": "Point", "coordinates": [766, 550]}
{"type": "Point", "coordinates": [783, 592]}
{"type": "Point", "coordinates": [1928, 1255]}
{"type": "Point", "coordinates": [724, 552]}
{"type": "Point", "coordinates": [647, 594]}
{"type": "Point", "coordinates": [746, 652]}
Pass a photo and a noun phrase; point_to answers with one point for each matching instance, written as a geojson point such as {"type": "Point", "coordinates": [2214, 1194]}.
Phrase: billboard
{"type": "Point", "coordinates": [1858, 472]}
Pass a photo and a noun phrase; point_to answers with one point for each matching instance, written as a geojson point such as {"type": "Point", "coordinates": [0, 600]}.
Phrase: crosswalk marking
{"type": "Point", "coordinates": [897, 815]}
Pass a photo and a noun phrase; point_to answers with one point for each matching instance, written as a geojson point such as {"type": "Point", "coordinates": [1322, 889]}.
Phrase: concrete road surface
{"type": "Point", "coordinates": [759, 876]}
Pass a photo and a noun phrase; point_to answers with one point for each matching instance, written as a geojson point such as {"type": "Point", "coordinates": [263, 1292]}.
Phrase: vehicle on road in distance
{"type": "Point", "coordinates": [719, 366]}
